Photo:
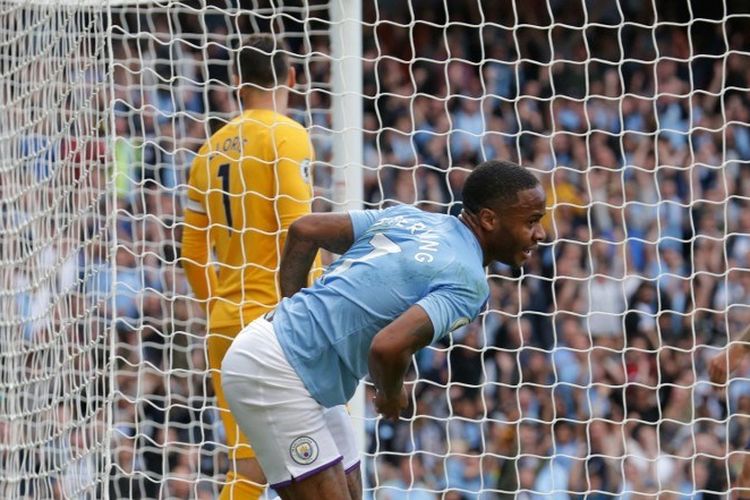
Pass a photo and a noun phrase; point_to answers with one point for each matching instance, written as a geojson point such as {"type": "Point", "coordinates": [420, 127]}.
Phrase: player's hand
{"type": "Point", "coordinates": [390, 407]}
{"type": "Point", "coordinates": [725, 362]}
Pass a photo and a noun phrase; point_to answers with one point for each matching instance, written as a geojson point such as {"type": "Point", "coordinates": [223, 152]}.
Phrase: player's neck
{"type": "Point", "coordinates": [258, 99]}
{"type": "Point", "coordinates": [470, 222]}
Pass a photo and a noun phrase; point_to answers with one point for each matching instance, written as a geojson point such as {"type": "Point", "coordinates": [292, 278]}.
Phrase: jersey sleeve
{"type": "Point", "coordinates": [294, 155]}
{"type": "Point", "coordinates": [362, 220]}
{"type": "Point", "coordinates": [195, 248]}
{"type": "Point", "coordinates": [198, 183]}
{"type": "Point", "coordinates": [452, 304]}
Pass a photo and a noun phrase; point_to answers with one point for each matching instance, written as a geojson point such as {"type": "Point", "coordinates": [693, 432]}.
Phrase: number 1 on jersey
{"type": "Point", "coordinates": [224, 174]}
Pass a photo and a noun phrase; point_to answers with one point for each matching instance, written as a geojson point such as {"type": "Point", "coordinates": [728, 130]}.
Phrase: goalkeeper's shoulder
{"type": "Point", "coordinates": [288, 122]}
{"type": "Point", "coordinates": [285, 128]}
{"type": "Point", "coordinates": [291, 141]}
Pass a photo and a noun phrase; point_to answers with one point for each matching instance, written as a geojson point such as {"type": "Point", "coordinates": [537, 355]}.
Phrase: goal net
{"type": "Point", "coordinates": [587, 373]}
{"type": "Point", "coordinates": [55, 252]}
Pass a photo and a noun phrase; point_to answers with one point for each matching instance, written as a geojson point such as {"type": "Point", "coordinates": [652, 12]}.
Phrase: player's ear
{"type": "Point", "coordinates": [236, 81]}
{"type": "Point", "coordinates": [291, 78]}
{"type": "Point", "coordinates": [487, 218]}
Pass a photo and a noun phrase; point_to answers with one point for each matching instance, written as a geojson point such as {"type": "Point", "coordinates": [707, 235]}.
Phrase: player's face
{"type": "Point", "coordinates": [518, 229]}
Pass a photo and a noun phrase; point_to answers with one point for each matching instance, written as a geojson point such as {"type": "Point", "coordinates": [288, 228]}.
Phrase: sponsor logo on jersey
{"type": "Point", "coordinates": [305, 170]}
{"type": "Point", "coordinates": [304, 450]}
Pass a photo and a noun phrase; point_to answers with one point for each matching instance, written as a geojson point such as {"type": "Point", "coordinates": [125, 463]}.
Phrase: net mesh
{"type": "Point", "coordinates": [54, 260]}
{"type": "Point", "coordinates": [586, 374]}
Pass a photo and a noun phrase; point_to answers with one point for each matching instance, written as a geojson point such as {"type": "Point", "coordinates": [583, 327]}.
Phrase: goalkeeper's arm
{"type": "Point", "coordinates": [195, 252]}
{"type": "Point", "coordinates": [195, 247]}
{"type": "Point", "coordinates": [308, 234]}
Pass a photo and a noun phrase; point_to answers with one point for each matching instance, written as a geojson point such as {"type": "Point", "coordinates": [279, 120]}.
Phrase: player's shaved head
{"type": "Point", "coordinates": [496, 183]}
{"type": "Point", "coordinates": [263, 61]}
{"type": "Point", "coordinates": [504, 205]}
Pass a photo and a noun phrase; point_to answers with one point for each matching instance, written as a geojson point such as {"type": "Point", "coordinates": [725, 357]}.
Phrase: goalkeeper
{"type": "Point", "coordinates": [719, 367]}
{"type": "Point", "coordinates": [406, 278]}
{"type": "Point", "coordinates": [248, 183]}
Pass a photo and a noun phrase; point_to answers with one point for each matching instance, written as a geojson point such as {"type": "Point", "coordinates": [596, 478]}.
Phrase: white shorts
{"type": "Point", "coordinates": [292, 434]}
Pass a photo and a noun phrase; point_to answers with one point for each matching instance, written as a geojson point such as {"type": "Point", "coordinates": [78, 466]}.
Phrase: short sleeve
{"type": "Point", "coordinates": [452, 305]}
{"type": "Point", "coordinates": [363, 219]}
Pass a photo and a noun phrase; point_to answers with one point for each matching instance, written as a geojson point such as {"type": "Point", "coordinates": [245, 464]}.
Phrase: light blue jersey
{"type": "Point", "coordinates": [401, 256]}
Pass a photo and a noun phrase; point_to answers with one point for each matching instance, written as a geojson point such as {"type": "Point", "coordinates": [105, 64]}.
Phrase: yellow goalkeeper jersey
{"type": "Point", "coordinates": [252, 180]}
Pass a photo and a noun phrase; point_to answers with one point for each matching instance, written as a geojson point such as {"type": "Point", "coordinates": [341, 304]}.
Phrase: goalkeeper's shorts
{"type": "Point", "coordinates": [293, 436]}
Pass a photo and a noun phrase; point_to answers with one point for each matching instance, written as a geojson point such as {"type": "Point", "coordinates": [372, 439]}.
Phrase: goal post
{"type": "Point", "coordinates": [587, 372]}
{"type": "Point", "coordinates": [346, 110]}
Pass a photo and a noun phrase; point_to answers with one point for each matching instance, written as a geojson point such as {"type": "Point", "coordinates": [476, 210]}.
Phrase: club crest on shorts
{"type": "Point", "coordinates": [304, 450]}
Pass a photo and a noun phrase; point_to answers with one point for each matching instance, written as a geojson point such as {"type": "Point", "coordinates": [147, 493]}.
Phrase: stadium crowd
{"type": "Point", "coordinates": [587, 372]}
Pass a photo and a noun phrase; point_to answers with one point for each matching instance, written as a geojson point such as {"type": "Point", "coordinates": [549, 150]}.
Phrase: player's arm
{"type": "Point", "coordinates": [450, 303]}
{"type": "Point", "coordinates": [293, 197]}
{"type": "Point", "coordinates": [195, 236]}
{"type": "Point", "coordinates": [729, 359]}
{"type": "Point", "coordinates": [195, 256]}
{"type": "Point", "coordinates": [390, 354]}
{"type": "Point", "coordinates": [331, 231]}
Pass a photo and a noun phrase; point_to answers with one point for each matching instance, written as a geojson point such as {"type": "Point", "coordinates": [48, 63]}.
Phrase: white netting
{"type": "Point", "coordinates": [54, 262]}
{"type": "Point", "coordinates": [585, 376]}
